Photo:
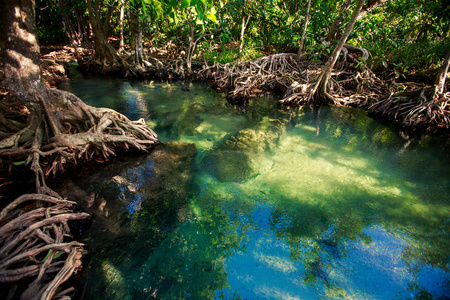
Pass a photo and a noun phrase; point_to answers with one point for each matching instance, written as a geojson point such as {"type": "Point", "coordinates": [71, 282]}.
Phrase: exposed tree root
{"type": "Point", "coordinates": [416, 108]}
{"type": "Point", "coordinates": [58, 129]}
{"type": "Point", "coordinates": [155, 68]}
{"type": "Point", "coordinates": [149, 68]}
{"type": "Point", "coordinates": [66, 130]}
{"type": "Point", "coordinates": [33, 244]}
{"type": "Point", "coordinates": [299, 81]}
{"type": "Point", "coordinates": [248, 79]}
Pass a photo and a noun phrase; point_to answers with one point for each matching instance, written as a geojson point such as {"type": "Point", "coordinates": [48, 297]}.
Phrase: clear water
{"type": "Point", "coordinates": [321, 203]}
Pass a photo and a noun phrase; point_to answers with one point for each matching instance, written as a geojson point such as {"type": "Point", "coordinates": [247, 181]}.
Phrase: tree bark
{"type": "Point", "coordinates": [75, 39]}
{"type": "Point", "coordinates": [321, 87]}
{"type": "Point", "coordinates": [83, 33]}
{"type": "Point", "coordinates": [244, 24]}
{"type": "Point", "coordinates": [300, 49]}
{"type": "Point", "coordinates": [191, 49]}
{"type": "Point", "coordinates": [439, 83]}
{"type": "Point", "coordinates": [20, 50]}
{"type": "Point", "coordinates": [64, 127]}
{"type": "Point", "coordinates": [122, 12]}
{"type": "Point", "coordinates": [104, 52]}
{"type": "Point", "coordinates": [137, 47]}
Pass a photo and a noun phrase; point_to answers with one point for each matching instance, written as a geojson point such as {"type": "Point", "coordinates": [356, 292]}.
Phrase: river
{"type": "Point", "coordinates": [261, 202]}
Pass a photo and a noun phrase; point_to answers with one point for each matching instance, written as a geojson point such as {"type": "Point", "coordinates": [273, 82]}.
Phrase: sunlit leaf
{"type": "Point", "coordinates": [211, 17]}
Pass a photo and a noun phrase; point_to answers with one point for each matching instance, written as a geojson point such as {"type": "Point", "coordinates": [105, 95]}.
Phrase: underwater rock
{"type": "Point", "coordinates": [236, 158]}
{"type": "Point", "coordinates": [189, 119]}
{"type": "Point", "coordinates": [183, 121]}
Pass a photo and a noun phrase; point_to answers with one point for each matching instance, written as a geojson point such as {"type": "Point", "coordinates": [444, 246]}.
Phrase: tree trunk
{"type": "Point", "coordinates": [439, 83]}
{"type": "Point", "coordinates": [75, 39]}
{"type": "Point", "coordinates": [191, 49]}
{"type": "Point", "coordinates": [137, 47]}
{"type": "Point", "coordinates": [300, 49]}
{"type": "Point", "coordinates": [20, 50]}
{"type": "Point", "coordinates": [333, 33]}
{"type": "Point", "coordinates": [104, 52]}
{"type": "Point", "coordinates": [321, 87]}
{"type": "Point", "coordinates": [64, 127]}
{"type": "Point", "coordinates": [122, 12]}
{"type": "Point", "coordinates": [244, 24]}
{"type": "Point", "coordinates": [83, 33]}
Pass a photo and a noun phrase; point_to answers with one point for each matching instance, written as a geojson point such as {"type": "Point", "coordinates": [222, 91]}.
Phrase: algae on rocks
{"type": "Point", "coordinates": [235, 159]}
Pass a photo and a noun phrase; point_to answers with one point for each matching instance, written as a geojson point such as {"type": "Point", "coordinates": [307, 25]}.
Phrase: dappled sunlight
{"type": "Point", "coordinates": [308, 172]}
{"type": "Point", "coordinates": [268, 203]}
{"type": "Point", "coordinates": [135, 100]}
{"type": "Point", "coordinates": [279, 264]}
{"type": "Point", "coordinates": [212, 129]}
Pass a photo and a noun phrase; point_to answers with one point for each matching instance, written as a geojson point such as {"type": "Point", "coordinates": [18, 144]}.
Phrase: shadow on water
{"type": "Point", "coordinates": [317, 203]}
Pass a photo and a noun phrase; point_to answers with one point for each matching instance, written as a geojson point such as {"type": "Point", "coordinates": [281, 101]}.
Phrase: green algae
{"type": "Point", "coordinates": [315, 203]}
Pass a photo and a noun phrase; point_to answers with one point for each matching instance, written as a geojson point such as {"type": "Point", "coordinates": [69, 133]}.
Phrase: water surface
{"type": "Point", "coordinates": [262, 203]}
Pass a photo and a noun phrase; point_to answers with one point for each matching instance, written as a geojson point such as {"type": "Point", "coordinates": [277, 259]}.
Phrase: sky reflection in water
{"type": "Point", "coordinates": [309, 204]}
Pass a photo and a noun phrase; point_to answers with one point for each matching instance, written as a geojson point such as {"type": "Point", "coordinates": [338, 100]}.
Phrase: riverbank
{"type": "Point", "coordinates": [407, 104]}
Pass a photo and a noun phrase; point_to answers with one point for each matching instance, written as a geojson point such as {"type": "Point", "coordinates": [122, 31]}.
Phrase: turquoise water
{"type": "Point", "coordinates": [262, 203]}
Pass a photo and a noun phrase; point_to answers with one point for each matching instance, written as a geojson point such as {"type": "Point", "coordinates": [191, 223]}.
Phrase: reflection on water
{"type": "Point", "coordinates": [262, 203]}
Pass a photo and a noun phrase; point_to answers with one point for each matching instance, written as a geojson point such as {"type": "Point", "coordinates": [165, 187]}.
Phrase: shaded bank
{"type": "Point", "coordinates": [407, 104]}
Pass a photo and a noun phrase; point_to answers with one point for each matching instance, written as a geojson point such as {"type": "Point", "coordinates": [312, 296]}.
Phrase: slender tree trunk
{"type": "Point", "coordinates": [300, 49]}
{"type": "Point", "coordinates": [83, 33]}
{"type": "Point", "coordinates": [191, 47]}
{"type": "Point", "coordinates": [333, 33]}
{"type": "Point", "coordinates": [439, 83]}
{"type": "Point", "coordinates": [122, 12]}
{"type": "Point", "coordinates": [321, 86]}
{"type": "Point", "coordinates": [104, 52]}
{"type": "Point", "coordinates": [68, 25]}
{"type": "Point", "coordinates": [137, 46]}
{"type": "Point", "coordinates": [244, 24]}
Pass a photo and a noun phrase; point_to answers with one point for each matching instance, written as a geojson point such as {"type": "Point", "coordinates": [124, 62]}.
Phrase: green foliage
{"type": "Point", "coordinates": [405, 36]}
{"type": "Point", "coordinates": [402, 36]}
{"type": "Point", "coordinates": [50, 28]}
{"type": "Point", "coordinates": [223, 56]}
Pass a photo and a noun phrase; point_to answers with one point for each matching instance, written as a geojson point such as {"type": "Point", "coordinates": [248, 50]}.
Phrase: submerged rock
{"type": "Point", "coordinates": [235, 159]}
{"type": "Point", "coordinates": [183, 121]}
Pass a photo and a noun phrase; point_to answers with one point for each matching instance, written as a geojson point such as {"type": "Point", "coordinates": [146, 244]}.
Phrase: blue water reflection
{"type": "Point", "coordinates": [317, 203]}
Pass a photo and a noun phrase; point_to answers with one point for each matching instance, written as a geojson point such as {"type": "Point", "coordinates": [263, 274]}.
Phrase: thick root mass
{"type": "Point", "coordinates": [299, 80]}
{"type": "Point", "coordinates": [65, 130]}
{"type": "Point", "coordinates": [248, 79]}
{"type": "Point", "coordinates": [415, 108]}
{"type": "Point", "coordinates": [35, 251]}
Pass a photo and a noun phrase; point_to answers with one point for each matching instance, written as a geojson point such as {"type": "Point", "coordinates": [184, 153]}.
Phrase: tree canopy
{"type": "Point", "coordinates": [400, 35]}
